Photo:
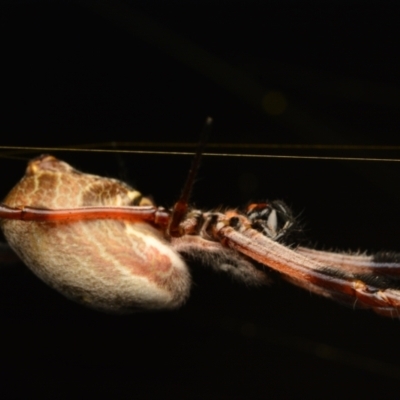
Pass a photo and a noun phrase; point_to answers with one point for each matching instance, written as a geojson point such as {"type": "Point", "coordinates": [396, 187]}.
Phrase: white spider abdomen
{"type": "Point", "coordinates": [111, 265]}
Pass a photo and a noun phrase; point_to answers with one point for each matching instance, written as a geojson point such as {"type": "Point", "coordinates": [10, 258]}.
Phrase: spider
{"type": "Point", "coordinates": [101, 243]}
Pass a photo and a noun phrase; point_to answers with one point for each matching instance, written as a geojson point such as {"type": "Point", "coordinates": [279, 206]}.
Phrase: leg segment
{"type": "Point", "coordinates": [158, 216]}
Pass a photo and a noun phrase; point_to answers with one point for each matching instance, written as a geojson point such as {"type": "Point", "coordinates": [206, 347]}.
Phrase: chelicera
{"type": "Point", "coordinates": [100, 242]}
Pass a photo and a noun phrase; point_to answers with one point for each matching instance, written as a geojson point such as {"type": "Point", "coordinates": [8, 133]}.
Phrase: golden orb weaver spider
{"type": "Point", "coordinates": [101, 243]}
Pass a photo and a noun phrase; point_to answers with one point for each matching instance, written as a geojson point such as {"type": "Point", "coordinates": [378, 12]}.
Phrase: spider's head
{"type": "Point", "coordinates": [273, 219]}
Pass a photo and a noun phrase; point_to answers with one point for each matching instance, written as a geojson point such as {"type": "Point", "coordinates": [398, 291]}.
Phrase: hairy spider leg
{"type": "Point", "coordinates": [306, 272]}
{"type": "Point", "coordinates": [385, 264]}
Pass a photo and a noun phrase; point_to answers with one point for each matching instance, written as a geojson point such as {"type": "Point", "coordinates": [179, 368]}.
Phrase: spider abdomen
{"type": "Point", "coordinates": [112, 265]}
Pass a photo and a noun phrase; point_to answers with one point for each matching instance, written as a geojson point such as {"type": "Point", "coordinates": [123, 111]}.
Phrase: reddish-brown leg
{"type": "Point", "coordinates": [157, 216]}
{"type": "Point", "coordinates": [304, 271]}
{"type": "Point", "coordinates": [356, 263]}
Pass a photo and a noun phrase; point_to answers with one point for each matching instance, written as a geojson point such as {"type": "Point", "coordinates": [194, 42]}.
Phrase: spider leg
{"type": "Point", "coordinates": [381, 264]}
{"type": "Point", "coordinates": [151, 214]}
{"type": "Point", "coordinates": [196, 244]}
{"type": "Point", "coordinates": [381, 270]}
{"type": "Point", "coordinates": [314, 275]}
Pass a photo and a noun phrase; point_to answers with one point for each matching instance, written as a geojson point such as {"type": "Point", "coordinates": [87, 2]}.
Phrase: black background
{"type": "Point", "coordinates": [103, 71]}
